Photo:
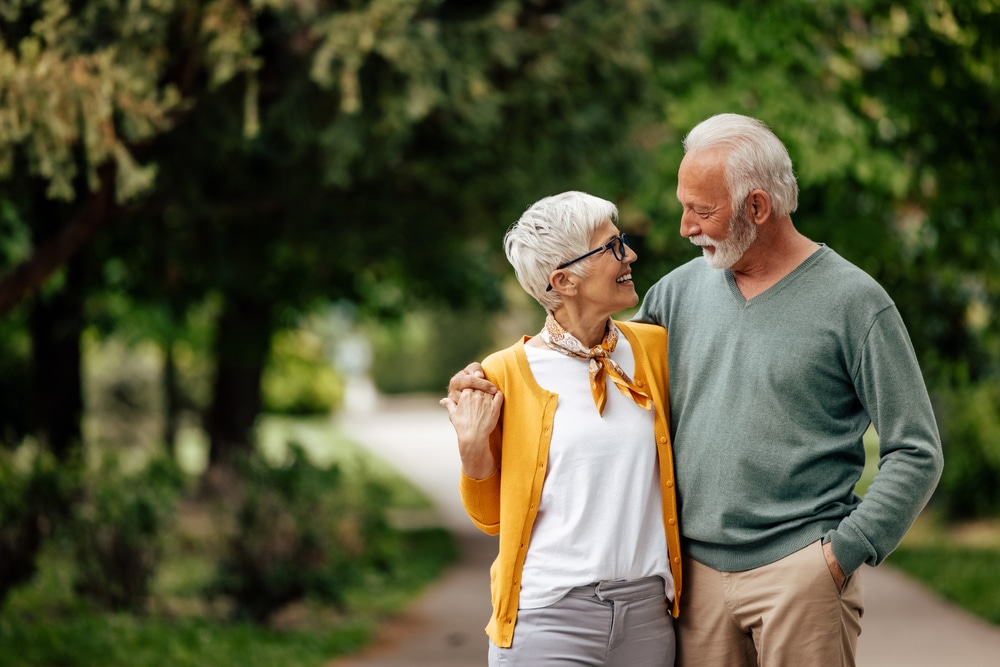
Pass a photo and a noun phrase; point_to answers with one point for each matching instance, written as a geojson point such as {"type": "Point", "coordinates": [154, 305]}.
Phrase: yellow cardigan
{"type": "Point", "coordinates": [507, 501]}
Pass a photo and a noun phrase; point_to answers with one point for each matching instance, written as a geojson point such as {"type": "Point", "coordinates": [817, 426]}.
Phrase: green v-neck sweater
{"type": "Point", "coordinates": [770, 399]}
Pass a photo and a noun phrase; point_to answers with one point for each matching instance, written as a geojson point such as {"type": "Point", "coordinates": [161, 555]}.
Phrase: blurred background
{"type": "Point", "coordinates": [223, 222]}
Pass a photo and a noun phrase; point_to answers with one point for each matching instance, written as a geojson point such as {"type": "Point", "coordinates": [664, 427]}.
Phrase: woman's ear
{"type": "Point", "coordinates": [563, 282]}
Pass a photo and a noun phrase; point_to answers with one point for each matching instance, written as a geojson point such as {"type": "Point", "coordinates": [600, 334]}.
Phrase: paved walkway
{"type": "Point", "coordinates": [904, 625]}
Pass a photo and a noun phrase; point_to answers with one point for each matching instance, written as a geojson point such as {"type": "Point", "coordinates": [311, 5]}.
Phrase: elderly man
{"type": "Point", "coordinates": [781, 354]}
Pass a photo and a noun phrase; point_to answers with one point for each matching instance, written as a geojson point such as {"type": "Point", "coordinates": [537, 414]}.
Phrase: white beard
{"type": "Point", "coordinates": [742, 234]}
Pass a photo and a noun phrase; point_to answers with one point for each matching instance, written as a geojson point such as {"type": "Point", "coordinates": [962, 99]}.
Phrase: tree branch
{"type": "Point", "coordinates": [27, 277]}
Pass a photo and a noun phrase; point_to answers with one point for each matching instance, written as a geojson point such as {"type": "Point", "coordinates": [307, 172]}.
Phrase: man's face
{"type": "Point", "coordinates": [725, 252]}
{"type": "Point", "coordinates": [708, 220]}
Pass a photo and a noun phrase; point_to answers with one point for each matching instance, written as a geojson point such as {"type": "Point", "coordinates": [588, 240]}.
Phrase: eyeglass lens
{"type": "Point", "coordinates": [618, 247]}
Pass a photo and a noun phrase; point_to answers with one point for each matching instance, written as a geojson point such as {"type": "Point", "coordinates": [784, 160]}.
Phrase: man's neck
{"type": "Point", "coordinates": [769, 260]}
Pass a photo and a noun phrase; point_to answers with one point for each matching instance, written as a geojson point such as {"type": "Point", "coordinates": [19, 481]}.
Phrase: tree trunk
{"type": "Point", "coordinates": [56, 328]}
{"type": "Point", "coordinates": [56, 325]}
{"type": "Point", "coordinates": [243, 341]}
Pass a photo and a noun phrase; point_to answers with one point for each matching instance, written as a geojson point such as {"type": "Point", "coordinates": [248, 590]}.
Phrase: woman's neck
{"type": "Point", "coordinates": [589, 330]}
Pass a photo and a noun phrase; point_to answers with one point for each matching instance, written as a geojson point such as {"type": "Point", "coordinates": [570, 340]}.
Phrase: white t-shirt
{"type": "Point", "coordinates": [600, 516]}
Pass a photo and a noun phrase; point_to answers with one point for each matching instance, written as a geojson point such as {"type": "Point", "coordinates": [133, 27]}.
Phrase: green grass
{"type": "Point", "coordinates": [967, 576]}
{"type": "Point", "coordinates": [43, 624]}
{"type": "Point", "coordinates": [959, 561]}
{"type": "Point", "coordinates": [85, 639]}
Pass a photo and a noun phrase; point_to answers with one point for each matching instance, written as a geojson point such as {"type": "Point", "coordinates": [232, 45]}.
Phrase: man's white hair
{"type": "Point", "coordinates": [756, 159]}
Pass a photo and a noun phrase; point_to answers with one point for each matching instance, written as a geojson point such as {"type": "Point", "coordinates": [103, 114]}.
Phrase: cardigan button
{"type": "Point", "coordinates": [671, 521]}
{"type": "Point", "coordinates": [669, 483]}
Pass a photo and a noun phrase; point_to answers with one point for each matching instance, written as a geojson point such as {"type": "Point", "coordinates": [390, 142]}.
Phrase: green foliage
{"type": "Point", "coordinates": [303, 531]}
{"type": "Point", "coordinates": [91, 80]}
{"type": "Point", "coordinates": [117, 531]}
{"type": "Point", "coordinates": [969, 419]}
{"type": "Point", "coordinates": [46, 623]}
{"type": "Point", "coordinates": [102, 640]}
{"type": "Point", "coordinates": [894, 174]}
{"type": "Point", "coordinates": [298, 379]}
{"type": "Point", "coordinates": [927, 83]}
{"type": "Point", "coordinates": [31, 497]}
{"type": "Point", "coordinates": [310, 152]}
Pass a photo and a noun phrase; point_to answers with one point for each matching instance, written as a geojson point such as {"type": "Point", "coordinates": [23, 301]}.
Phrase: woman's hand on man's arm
{"type": "Point", "coordinates": [470, 377]}
{"type": "Point", "coordinates": [475, 415]}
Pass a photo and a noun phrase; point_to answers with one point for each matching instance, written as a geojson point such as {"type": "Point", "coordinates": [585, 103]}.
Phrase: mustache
{"type": "Point", "coordinates": [703, 240]}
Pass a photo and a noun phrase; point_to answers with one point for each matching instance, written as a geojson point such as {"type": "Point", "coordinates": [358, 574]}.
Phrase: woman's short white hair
{"type": "Point", "coordinates": [552, 231]}
{"type": "Point", "coordinates": [756, 159]}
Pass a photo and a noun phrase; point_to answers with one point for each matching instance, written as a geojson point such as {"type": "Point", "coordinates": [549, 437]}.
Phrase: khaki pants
{"type": "Point", "coordinates": [785, 614]}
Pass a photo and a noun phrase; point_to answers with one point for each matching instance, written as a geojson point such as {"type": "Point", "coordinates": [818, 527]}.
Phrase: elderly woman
{"type": "Point", "coordinates": [570, 460]}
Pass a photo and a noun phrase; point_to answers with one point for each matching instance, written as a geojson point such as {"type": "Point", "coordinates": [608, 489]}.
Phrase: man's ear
{"type": "Point", "coordinates": [563, 281]}
{"type": "Point", "coordinates": [759, 206]}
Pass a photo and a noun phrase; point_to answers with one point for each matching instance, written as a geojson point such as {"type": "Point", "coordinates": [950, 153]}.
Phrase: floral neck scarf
{"type": "Point", "coordinates": [601, 363]}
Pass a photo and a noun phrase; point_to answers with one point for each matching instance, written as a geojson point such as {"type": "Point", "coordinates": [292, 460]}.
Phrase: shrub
{"type": "Point", "coordinates": [117, 531]}
{"type": "Point", "coordinates": [422, 352]}
{"type": "Point", "coordinates": [298, 380]}
{"type": "Point", "coordinates": [969, 419]}
{"type": "Point", "coordinates": [301, 531]}
{"type": "Point", "coordinates": [32, 497]}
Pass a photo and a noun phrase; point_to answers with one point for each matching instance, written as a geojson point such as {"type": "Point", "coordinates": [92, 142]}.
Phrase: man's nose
{"type": "Point", "coordinates": [689, 225]}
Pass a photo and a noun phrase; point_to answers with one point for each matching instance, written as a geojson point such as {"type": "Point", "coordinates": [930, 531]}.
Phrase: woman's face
{"type": "Point", "coordinates": [608, 286]}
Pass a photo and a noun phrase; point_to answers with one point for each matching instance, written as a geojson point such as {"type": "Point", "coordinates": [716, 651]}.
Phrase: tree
{"type": "Point", "coordinates": [83, 85]}
{"type": "Point", "coordinates": [272, 119]}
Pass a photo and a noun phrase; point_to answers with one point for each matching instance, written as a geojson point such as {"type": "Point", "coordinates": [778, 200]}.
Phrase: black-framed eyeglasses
{"type": "Point", "coordinates": [615, 245]}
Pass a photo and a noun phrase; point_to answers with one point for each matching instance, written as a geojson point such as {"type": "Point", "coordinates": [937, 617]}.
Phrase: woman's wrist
{"type": "Point", "coordinates": [477, 460]}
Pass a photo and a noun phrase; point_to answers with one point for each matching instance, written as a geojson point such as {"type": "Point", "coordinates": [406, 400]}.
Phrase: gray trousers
{"type": "Point", "coordinates": [607, 624]}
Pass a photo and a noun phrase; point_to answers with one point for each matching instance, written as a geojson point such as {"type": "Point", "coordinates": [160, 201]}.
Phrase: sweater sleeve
{"type": "Point", "coordinates": [653, 309]}
{"type": "Point", "coordinates": [481, 497]}
{"type": "Point", "coordinates": [891, 388]}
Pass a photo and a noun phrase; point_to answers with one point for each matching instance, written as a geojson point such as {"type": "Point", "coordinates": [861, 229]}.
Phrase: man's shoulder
{"type": "Point", "coordinates": [646, 333]}
{"type": "Point", "coordinates": [687, 279]}
{"type": "Point", "coordinates": [693, 269]}
{"type": "Point", "coordinates": [849, 279]}
{"type": "Point", "coordinates": [680, 279]}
